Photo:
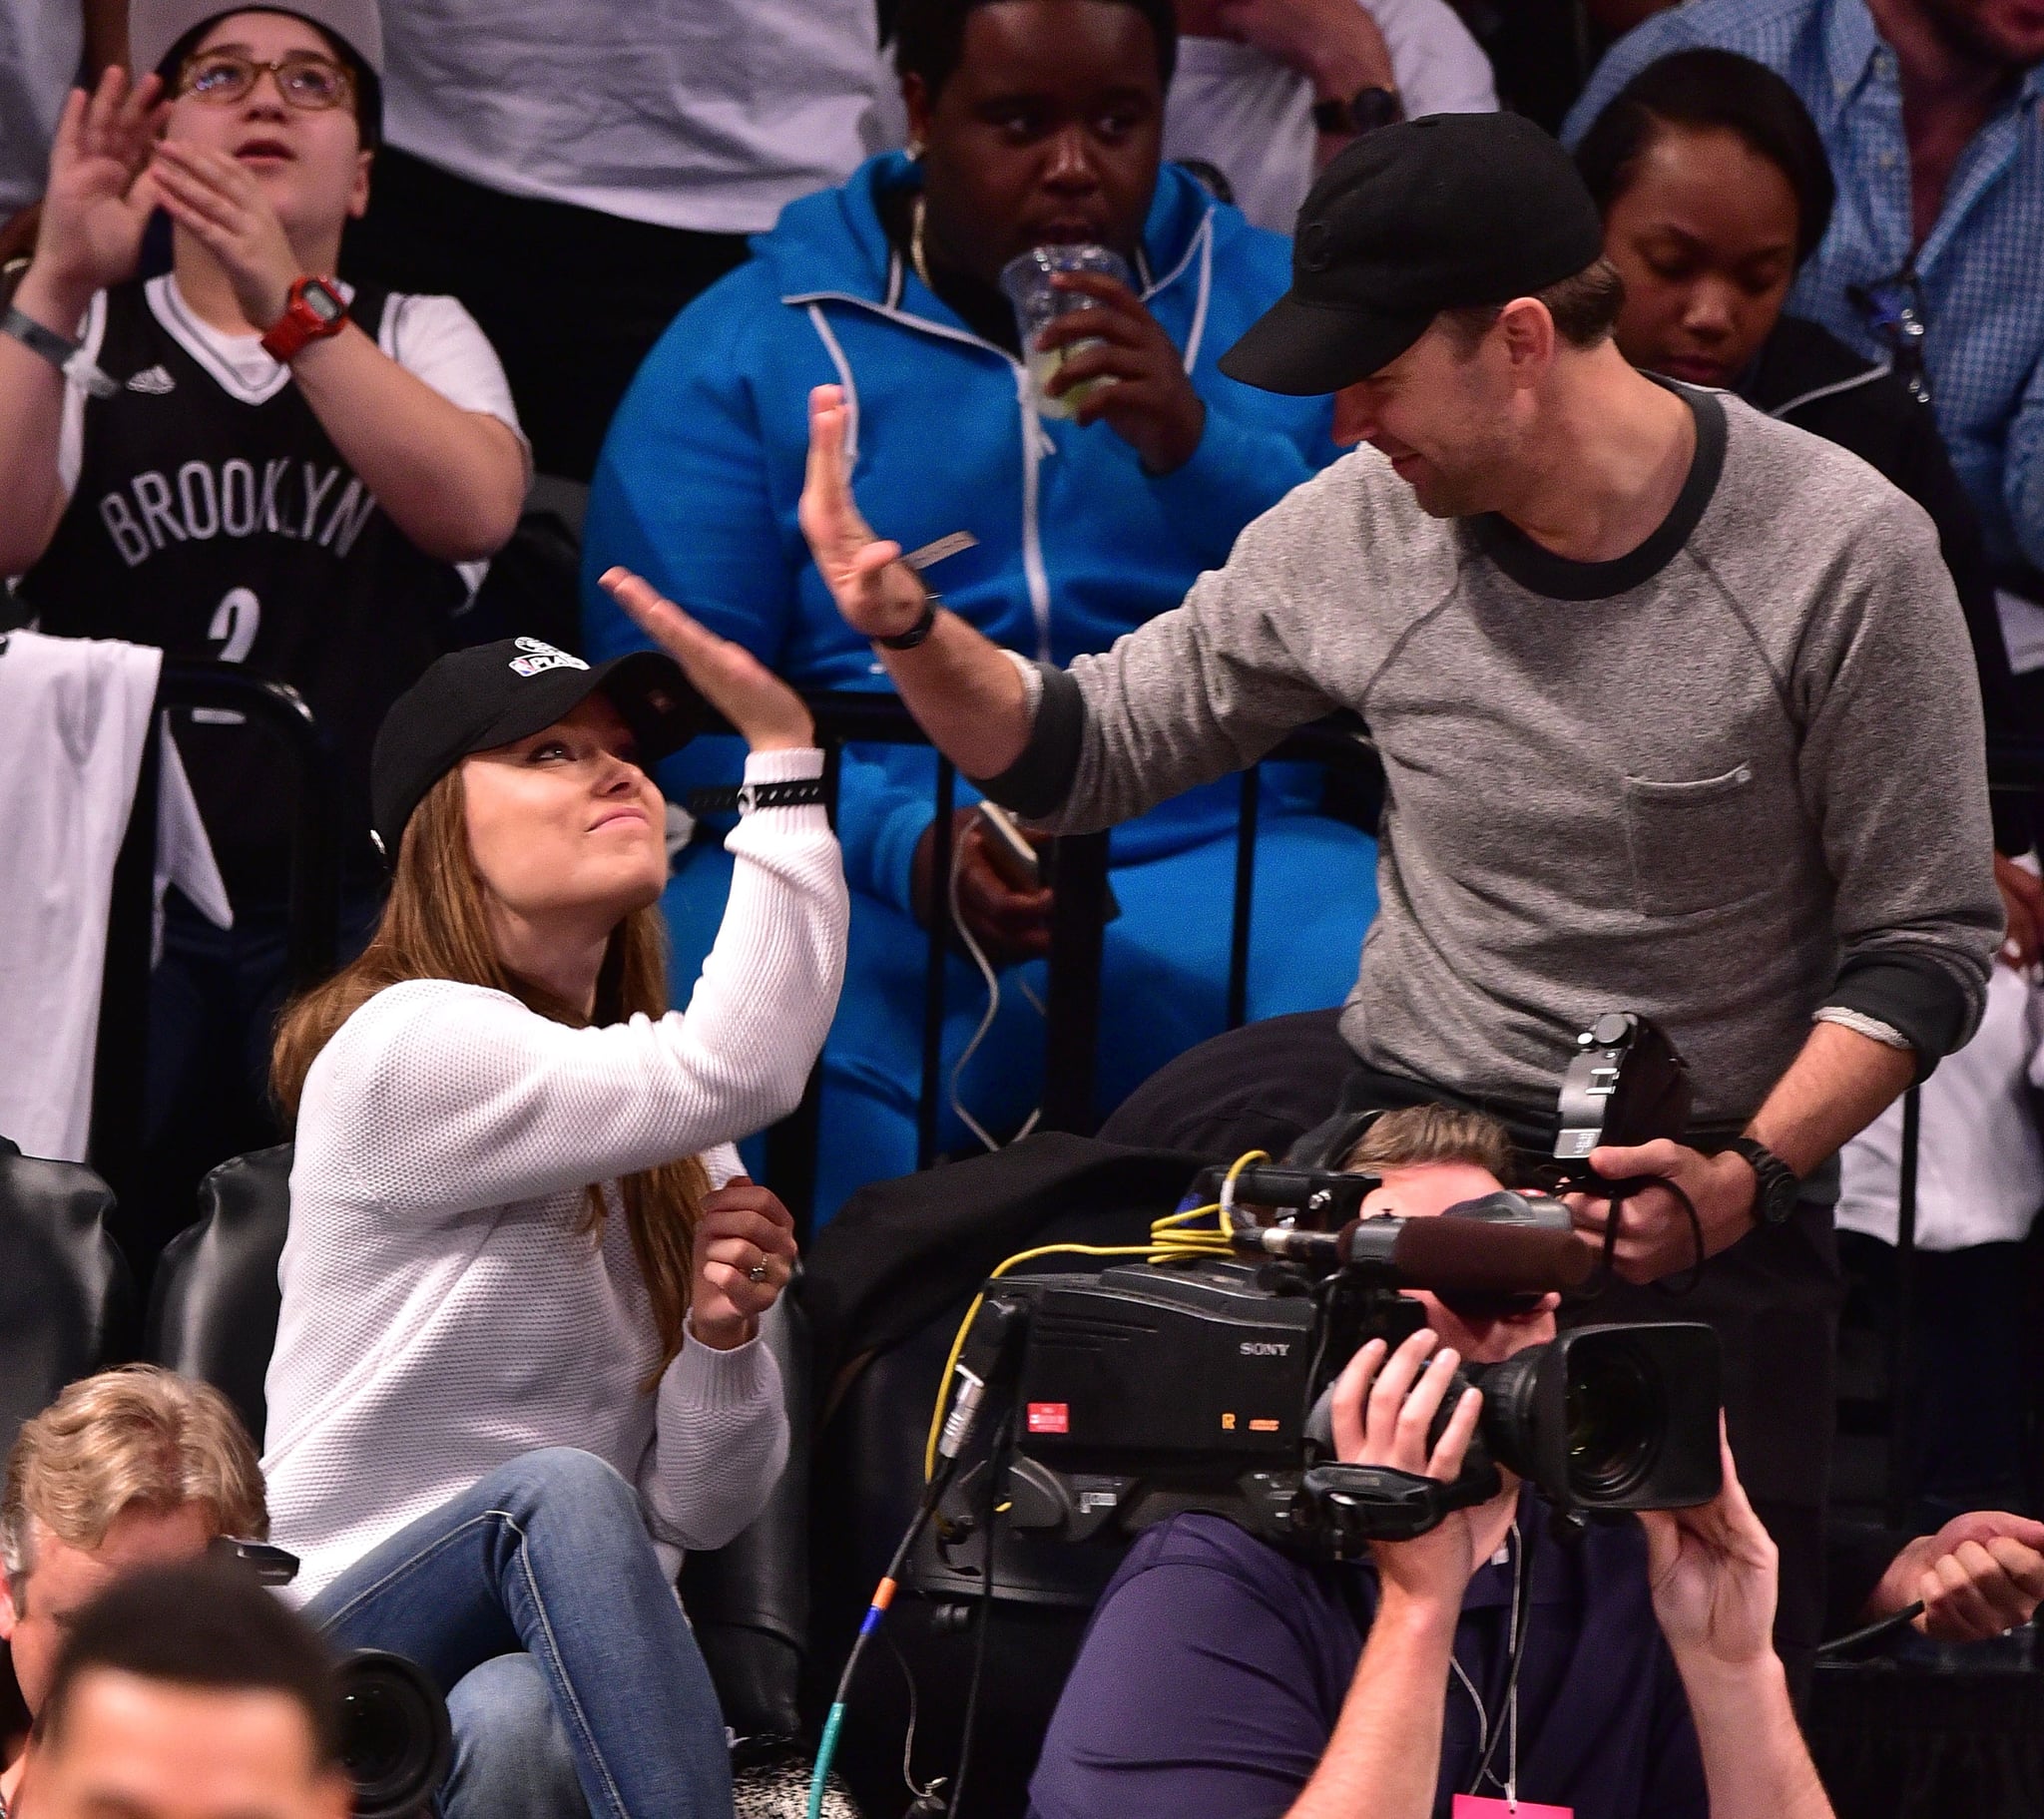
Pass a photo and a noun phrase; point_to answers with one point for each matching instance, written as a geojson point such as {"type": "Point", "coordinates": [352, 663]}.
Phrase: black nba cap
{"type": "Point", "coordinates": [471, 701]}
{"type": "Point", "coordinates": [1447, 212]}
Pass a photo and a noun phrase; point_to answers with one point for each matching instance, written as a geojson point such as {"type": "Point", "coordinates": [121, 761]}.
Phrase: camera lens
{"type": "Point", "coordinates": [395, 1742]}
{"type": "Point", "coordinates": [1616, 1419]}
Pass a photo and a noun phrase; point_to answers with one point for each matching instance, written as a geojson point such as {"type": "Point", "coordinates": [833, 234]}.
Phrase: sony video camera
{"type": "Point", "coordinates": [1148, 1389]}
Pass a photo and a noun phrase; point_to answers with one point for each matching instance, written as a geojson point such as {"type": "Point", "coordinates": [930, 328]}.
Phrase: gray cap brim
{"type": "Point", "coordinates": [1306, 350]}
{"type": "Point", "coordinates": [155, 27]}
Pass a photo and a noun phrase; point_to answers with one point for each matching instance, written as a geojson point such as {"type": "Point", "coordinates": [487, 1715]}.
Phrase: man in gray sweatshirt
{"type": "Point", "coordinates": [1676, 710]}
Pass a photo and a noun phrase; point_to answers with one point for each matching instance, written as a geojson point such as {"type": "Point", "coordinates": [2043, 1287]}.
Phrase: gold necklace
{"type": "Point", "coordinates": [915, 251]}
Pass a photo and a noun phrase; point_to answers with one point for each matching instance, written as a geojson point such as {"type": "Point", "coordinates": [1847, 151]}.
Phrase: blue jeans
{"type": "Point", "coordinates": [548, 1557]}
{"type": "Point", "coordinates": [512, 1759]}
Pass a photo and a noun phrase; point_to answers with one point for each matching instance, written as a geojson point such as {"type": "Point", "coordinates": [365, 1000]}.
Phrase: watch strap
{"type": "Point", "coordinates": [746, 796]}
{"type": "Point", "coordinates": [301, 325]}
{"type": "Point", "coordinates": [1776, 1186]}
{"type": "Point", "coordinates": [66, 355]}
{"type": "Point", "coordinates": [917, 632]}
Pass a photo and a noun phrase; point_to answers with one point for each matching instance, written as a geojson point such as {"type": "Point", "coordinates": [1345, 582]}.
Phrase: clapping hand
{"type": "Point", "coordinates": [102, 191]}
{"type": "Point", "coordinates": [219, 201]}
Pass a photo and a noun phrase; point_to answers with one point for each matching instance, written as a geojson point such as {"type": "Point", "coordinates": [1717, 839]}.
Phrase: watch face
{"type": "Point", "coordinates": [322, 302]}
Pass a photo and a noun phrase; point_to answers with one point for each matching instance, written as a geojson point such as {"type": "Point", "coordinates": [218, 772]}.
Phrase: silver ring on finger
{"type": "Point", "coordinates": [757, 1273]}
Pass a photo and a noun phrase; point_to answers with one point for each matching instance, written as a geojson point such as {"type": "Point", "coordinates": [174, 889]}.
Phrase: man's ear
{"type": "Point", "coordinates": [359, 192]}
{"type": "Point", "coordinates": [916, 98]}
{"type": "Point", "coordinates": [10, 1618]}
{"type": "Point", "coordinates": [1527, 334]}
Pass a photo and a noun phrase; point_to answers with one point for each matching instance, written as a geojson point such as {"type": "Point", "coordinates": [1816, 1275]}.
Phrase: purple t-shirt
{"type": "Point", "coordinates": [1215, 1667]}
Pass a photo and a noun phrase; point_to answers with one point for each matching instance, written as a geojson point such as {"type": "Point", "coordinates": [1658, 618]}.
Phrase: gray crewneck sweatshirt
{"type": "Point", "coordinates": [1726, 780]}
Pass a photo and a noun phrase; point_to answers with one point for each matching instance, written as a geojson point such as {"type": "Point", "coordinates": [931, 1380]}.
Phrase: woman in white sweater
{"type": "Point", "coordinates": [517, 1224]}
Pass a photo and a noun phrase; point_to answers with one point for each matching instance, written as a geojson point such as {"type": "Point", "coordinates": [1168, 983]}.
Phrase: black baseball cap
{"type": "Point", "coordinates": [1447, 212]}
{"type": "Point", "coordinates": [490, 694]}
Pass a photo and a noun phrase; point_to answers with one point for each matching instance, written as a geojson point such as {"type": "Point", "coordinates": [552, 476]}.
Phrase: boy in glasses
{"type": "Point", "coordinates": [243, 459]}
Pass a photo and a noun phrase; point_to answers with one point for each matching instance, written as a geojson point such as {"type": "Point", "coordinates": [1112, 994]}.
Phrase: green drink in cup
{"type": "Point", "coordinates": [1038, 303]}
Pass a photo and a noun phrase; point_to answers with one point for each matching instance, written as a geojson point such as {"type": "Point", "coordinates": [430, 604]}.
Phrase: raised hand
{"type": "Point", "coordinates": [100, 197]}
{"type": "Point", "coordinates": [217, 200]}
{"type": "Point", "coordinates": [766, 711]}
{"type": "Point", "coordinates": [879, 594]}
{"type": "Point", "coordinates": [745, 1254]}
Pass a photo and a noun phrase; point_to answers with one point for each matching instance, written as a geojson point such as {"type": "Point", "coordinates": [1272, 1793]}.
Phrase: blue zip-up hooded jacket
{"type": "Point", "coordinates": [700, 476]}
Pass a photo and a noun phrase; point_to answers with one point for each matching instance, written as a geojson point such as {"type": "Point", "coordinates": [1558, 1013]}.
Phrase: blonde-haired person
{"type": "Point", "coordinates": [135, 1466]}
{"type": "Point", "coordinates": [517, 1370]}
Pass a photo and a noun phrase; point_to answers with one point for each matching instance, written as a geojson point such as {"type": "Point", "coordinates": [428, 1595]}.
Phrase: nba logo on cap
{"type": "Point", "coordinates": [540, 656]}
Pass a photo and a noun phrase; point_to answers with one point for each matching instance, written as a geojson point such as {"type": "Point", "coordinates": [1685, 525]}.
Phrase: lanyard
{"type": "Point", "coordinates": [1510, 1717]}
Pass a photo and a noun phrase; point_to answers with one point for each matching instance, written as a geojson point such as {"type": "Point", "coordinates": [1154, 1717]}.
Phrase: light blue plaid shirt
{"type": "Point", "coordinates": [1981, 270]}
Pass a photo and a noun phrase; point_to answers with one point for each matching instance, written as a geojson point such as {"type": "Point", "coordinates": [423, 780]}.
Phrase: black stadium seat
{"type": "Point", "coordinates": [212, 1306]}
{"type": "Point", "coordinates": [213, 1315]}
{"type": "Point", "coordinates": [66, 1297]}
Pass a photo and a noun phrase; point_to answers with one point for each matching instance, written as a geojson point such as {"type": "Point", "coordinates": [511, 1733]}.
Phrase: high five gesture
{"type": "Point", "coordinates": [879, 594]}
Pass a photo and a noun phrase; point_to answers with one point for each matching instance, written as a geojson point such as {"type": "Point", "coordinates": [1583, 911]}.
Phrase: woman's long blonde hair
{"type": "Point", "coordinates": [436, 926]}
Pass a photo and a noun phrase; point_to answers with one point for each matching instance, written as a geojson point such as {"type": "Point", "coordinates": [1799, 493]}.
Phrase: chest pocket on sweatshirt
{"type": "Point", "coordinates": [1691, 844]}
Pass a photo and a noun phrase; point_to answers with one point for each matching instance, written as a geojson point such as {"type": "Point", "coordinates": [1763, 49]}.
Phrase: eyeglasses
{"type": "Point", "coordinates": [304, 79]}
{"type": "Point", "coordinates": [1893, 308]}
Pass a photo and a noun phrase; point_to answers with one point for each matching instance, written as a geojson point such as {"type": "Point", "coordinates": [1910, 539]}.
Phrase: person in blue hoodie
{"type": "Point", "coordinates": [1033, 121]}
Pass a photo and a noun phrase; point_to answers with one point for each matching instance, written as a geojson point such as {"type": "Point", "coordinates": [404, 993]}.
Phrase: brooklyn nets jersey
{"type": "Point", "coordinates": [222, 523]}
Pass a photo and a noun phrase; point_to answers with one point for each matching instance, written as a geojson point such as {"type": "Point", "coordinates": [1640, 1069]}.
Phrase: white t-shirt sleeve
{"type": "Point", "coordinates": [434, 338]}
{"type": "Point", "coordinates": [1440, 68]}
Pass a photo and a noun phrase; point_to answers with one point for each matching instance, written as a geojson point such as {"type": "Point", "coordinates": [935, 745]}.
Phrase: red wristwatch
{"type": "Point", "coordinates": [314, 310]}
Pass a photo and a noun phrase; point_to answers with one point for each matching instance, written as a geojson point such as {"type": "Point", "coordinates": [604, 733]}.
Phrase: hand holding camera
{"type": "Point", "coordinates": [1655, 1237]}
{"type": "Point", "coordinates": [1383, 1413]}
{"type": "Point", "coordinates": [1712, 1570]}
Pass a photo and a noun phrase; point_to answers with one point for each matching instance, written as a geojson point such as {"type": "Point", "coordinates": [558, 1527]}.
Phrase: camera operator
{"type": "Point", "coordinates": [1648, 1684]}
{"type": "Point", "coordinates": [189, 1692]}
{"type": "Point", "coordinates": [1675, 709]}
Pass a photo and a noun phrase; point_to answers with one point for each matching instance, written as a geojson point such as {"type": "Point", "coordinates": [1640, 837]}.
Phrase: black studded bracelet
{"type": "Point", "coordinates": [747, 796]}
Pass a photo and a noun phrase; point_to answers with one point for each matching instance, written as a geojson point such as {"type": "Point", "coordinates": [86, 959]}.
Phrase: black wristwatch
{"type": "Point", "coordinates": [926, 622]}
{"type": "Point", "coordinates": [1363, 112]}
{"type": "Point", "coordinates": [1775, 1188]}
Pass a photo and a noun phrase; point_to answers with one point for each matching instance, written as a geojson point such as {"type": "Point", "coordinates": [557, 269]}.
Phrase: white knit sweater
{"type": "Point", "coordinates": [443, 1308]}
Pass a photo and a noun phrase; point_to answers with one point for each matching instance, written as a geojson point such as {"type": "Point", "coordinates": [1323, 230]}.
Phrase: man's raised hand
{"type": "Point", "coordinates": [879, 594]}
